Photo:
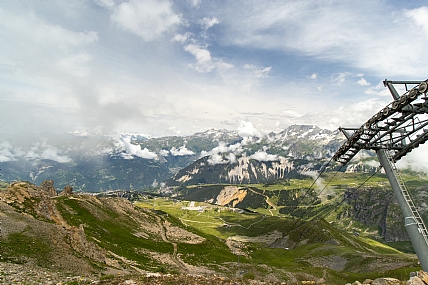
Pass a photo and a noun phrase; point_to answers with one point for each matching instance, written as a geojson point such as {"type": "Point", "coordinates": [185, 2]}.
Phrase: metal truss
{"type": "Point", "coordinates": [399, 127]}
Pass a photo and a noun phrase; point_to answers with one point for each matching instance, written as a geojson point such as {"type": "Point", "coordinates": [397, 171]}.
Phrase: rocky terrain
{"type": "Point", "coordinates": [67, 238]}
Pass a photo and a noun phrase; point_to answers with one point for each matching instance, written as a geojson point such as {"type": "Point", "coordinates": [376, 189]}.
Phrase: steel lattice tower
{"type": "Point", "coordinates": [393, 132]}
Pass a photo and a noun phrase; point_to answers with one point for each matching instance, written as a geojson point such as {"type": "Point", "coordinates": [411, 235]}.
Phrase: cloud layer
{"type": "Point", "coordinates": [179, 67]}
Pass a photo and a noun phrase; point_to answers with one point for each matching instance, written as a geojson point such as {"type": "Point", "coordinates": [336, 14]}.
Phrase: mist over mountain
{"type": "Point", "coordinates": [94, 162]}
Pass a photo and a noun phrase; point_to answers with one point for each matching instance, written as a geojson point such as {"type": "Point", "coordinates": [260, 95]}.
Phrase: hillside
{"type": "Point", "coordinates": [79, 234]}
{"type": "Point", "coordinates": [346, 200]}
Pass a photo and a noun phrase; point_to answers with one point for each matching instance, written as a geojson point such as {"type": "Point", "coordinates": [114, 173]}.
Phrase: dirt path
{"type": "Point", "coordinates": [180, 264]}
{"type": "Point", "coordinates": [267, 201]}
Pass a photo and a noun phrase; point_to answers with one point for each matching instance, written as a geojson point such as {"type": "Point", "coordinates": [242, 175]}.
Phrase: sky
{"type": "Point", "coordinates": [180, 67]}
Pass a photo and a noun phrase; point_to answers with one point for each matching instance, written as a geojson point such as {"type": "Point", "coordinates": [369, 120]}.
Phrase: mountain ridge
{"type": "Point", "coordinates": [63, 158]}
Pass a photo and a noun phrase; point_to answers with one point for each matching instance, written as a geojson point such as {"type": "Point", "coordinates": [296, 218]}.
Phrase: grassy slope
{"type": "Point", "coordinates": [317, 234]}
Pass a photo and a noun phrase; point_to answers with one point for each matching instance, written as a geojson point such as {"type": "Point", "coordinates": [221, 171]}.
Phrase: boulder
{"type": "Point", "coordinates": [386, 281]}
{"type": "Point", "coordinates": [423, 276]}
{"type": "Point", "coordinates": [415, 281]}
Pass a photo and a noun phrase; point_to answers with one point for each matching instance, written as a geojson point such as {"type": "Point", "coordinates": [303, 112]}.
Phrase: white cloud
{"type": "Point", "coordinates": [314, 76]}
{"type": "Point", "coordinates": [75, 64]}
{"type": "Point", "coordinates": [37, 151]}
{"type": "Point", "coordinates": [372, 37]}
{"type": "Point", "coordinates": [146, 19]}
{"type": "Point", "coordinates": [262, 72]}
{"type": "Point", "coordinates": [207, 22]}
{"type": "Point", "coordinates": [419, 16]}
{"type": "Point", "coordinates": [216, 159]}
{"type": "Point", "coordinates": [363, 82]}
{"type": "Point", "coordinates": [340, 78]}
{"type": "Point", "coordinates": [416, 160]}
{"type": "Point", "coordinates": [204, 61]}
{"type": "Point", "coordinates": [9, 153]}
{"type": "Point", "coordinates": [45, 151]}
{"type": "Point", "coordinates": [181, 38]}
{"type": "Point", "coordinates": [247, 129]}
{"type": "Point", "coordinates": [381, 90]}
{"type": "Point", "coordinates": [195, 3]}
{"type": "Point", "coordinates": [202, 55]}
{"type": "Point", "coordinates": [264, 156]}
{"type": "Point", "coordinates": [181, 151]}
{"type": "Point", "coordinates": [131, 150]}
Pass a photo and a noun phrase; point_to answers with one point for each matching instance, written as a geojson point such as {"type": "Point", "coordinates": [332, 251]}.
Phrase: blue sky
{"type": "Point", "coordinates": [180, 67]}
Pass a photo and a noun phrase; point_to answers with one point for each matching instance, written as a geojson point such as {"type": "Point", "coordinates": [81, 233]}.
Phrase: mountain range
{"type": "Point", "coordinates": [94, 163]}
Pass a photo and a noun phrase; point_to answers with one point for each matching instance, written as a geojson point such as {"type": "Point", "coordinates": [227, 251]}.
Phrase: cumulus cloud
{"type": "Point", "coordinates": [264, 156]}
{"type": "Point", "coordinates": [363, 82]}
{"type": "Point", "coordinates": [130, 150]}
{"type": "Point", "coordinates": [416, 160]}
{"type": "Point", "coordinates": [216, 159]}
{"type": "Point", "coordinates": [381, 90]}
{"type": "Point", "coordinates": [181, 38]}
{"type": "Point", "coordinates": [207, 22]}
{"type": "Point", "coordinates": [146, 19]}
{"type": "Point", "coordinates": [247, 129]}
{"type": "Point", "coordinates": [314, 76]}
{"type": "Point", "coordinates": [204, 62]}
{"type": "Point", "coordinates": [181, 151]}
{"type": "Point", "coordinates": [223, 153]}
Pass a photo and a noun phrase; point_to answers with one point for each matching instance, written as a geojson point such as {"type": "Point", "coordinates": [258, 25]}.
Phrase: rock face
{"type": "Point", "coordinates": [242, 170]}
{"type": "Point", "coordinates": [31, 199]}
{"type": "Point", "coordinates": [376, 208]}
{"type": "Point", "coordinates": [68, 190]}
{"type": "Point", "coordinates": [48, 187]}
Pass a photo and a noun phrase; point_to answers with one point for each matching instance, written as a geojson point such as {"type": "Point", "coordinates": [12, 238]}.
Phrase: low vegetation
{"type": "Point", "coordinates": [168, 235]}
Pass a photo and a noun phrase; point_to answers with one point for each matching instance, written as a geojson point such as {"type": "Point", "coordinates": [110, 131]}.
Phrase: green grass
{"type": "Point", "coordinates": [112, 231]}
{"type": "Point", "coordinates": [23, 247]}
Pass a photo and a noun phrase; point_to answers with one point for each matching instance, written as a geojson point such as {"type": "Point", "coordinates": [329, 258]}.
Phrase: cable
{"type": "Point", "coordinates": [307, 209]}
{"type": "Point", "coordinates": [338, 204]}
{"type": "Point", "coordinates": [323, 169]}
{"type": "Point", "coordinates": [310, 188]}
{"type": "Point", "coordinates": [343, 199]}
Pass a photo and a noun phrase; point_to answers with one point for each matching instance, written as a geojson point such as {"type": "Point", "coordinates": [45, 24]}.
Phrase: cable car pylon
{"type": "Point", "coordinates": [393, 132]}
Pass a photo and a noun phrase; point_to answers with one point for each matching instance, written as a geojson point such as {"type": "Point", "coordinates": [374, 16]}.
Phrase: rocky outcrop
{"type": "Point", "coordinates": [68, 190]}
{"type": "Point", "coordinates": [48, 187]}
{"type": "Point", "coordinates": [33, 200]}
{"type": "Point", "coordinates": [420, 278]}
{"type": "Point", "coordinates": [376, 207]}
{"type": "Point", "coordinates": [80, 244]}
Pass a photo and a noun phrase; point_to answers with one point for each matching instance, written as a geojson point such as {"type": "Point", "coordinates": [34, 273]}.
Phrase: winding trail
{"type": "Point", "coordinates": [267, 201]}
{"type": "Point", "coordinates": [180, 264]}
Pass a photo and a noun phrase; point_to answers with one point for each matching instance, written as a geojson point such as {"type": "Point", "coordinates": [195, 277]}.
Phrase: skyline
{"type": "Point", "coordinates": [180, 67]}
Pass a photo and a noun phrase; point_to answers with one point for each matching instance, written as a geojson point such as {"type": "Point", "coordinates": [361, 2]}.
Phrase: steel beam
{"type": "Point", "coordinates": [416, 236]}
